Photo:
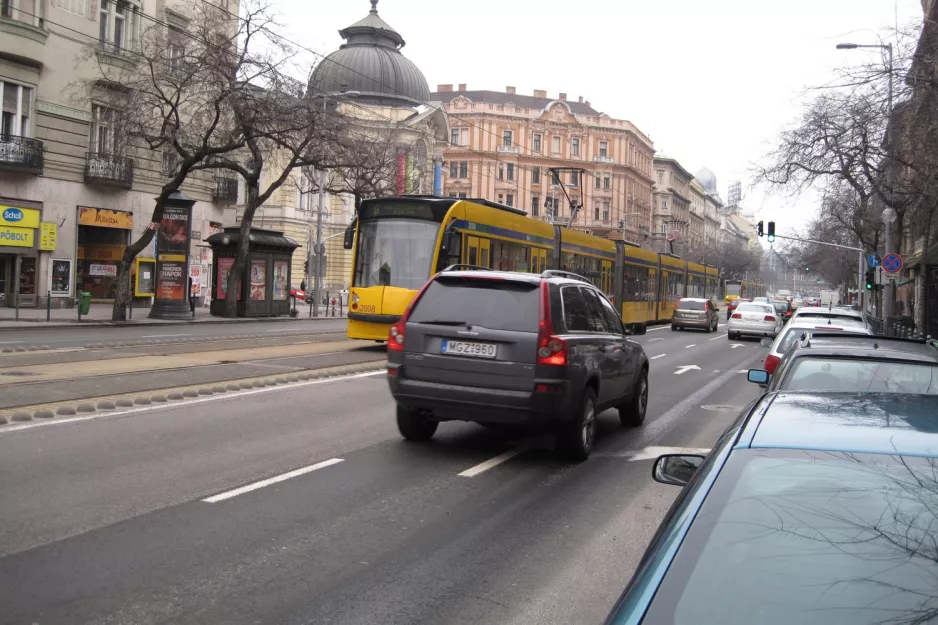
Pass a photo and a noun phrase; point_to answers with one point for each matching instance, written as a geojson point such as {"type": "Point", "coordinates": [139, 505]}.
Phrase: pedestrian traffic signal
{"type": "Point", "coordinates": [759, 229]}
{"type": "Point", "coordinates": [869, 279]}
{"type": "Point", "coordinates": [771, 236]}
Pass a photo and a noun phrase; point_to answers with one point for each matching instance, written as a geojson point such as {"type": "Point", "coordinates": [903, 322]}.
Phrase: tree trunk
{"type": "Point", "coordinates": [123, 295]}
{"type": "Point", "coordinates": [241, 256]}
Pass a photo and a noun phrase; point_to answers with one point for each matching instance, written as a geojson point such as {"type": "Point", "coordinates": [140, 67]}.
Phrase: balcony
{"type": "Point", "coordinates": [21, 154]}
{"type": "Point", "coordinates": [21, 39]}
{"type": "Point", "coordinates": [603, 159]}
{"type": "Point", "coordinates": [226, 190]}
{"type": "Point", "coordinates": [109, 170]}
{"type": "Point", "coordinates": [508, 149]}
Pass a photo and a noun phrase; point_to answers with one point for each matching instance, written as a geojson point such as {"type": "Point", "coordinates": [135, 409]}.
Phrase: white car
{"type": "Point", "coordinates": [797, 327]}
{"type": "Point", "coordinates": [752, 319]}
{"type": "Point", "coordinates": [833, 314]}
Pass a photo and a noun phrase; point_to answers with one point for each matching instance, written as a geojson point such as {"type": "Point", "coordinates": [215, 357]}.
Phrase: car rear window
{"type": "Point", "coordinates": [780, 306]}
{"type": "Point", "coordinates": [849, 375]}
{"type": "Point", "coordinates": [808, 537]}
{"type": "Point", "coordinates": [755, 308]}
{"type": "Point", "coordinates": [688, 304]}
{"type": "Point", "coordinates": [494, 304]}
{"type": "Point", "coordinates": [829, 315]}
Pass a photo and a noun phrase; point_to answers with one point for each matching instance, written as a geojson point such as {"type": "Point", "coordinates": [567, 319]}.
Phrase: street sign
{"type": "Point", "coordinates": [874, 260]}
{"type": "Point", "coordinates": [892, 263]}
{"type": "Point", "coordinates": [892, 277]}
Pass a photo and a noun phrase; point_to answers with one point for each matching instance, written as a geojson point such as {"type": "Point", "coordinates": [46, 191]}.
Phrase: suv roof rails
{"type": "Point", "coordinates": [563, 274]}
{"type": "Point", "coordinates": [459, 267]}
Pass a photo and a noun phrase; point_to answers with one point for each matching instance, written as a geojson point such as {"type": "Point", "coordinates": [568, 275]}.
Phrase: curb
{"type": "Point", "coordinates": [168, 396]}
{"type": "Point", "coordinates": [105, 323]}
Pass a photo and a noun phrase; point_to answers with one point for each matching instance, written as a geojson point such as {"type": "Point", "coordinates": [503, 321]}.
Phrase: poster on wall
{"type": "Point", "coordinates": [146, 277]}
{"type": "Point", "coordinates": [173, 232]}
{"type": "Point", "coordinates": [172, 281]}
{"type": "Point", "coordinates": [258, 279]}
{"type": "Point", "coordinates": [221, 283]}
{"type": "Point", "coordinates": [61, 277]}
{"type": "Point", "coordinates": [281, 288]}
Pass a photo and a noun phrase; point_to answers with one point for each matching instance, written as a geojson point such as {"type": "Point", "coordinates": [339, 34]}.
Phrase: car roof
{"type": "Point", "coordinates": [515, 276]}
{"type": "Point", "coordinates": [819, 323]}
{"type": "Point", "coordinates": [832, 311]}
{"type": "Point", "coordinates": [872, 347]}
{"type": "Point", "coordinates": [694, 299]}
{"type": "Point", "coordinates": [884, 423]}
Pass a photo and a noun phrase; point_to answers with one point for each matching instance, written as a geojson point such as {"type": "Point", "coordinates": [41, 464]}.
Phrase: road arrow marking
{"type": "Point", "coordinates": [684, 368]}
{"type": "Point", "coordinates": [735, 345]}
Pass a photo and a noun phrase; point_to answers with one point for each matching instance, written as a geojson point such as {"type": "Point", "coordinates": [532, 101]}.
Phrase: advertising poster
{"type": "Point", "coordinates": [258, 279]}
{"type": "Point", "coordinates": [173, 281]}
{"type": "Point", "coordinates": [173, 233]}
{"type": "Point", "coordinates": [221, 284]}
{"type": "Point", "coordinates": [61, 276]}
{"type": "Point", "coordinates": [280, 287]}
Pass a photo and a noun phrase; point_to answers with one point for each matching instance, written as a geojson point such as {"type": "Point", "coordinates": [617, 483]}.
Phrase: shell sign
{"type": "Point", "coordinates": [19, 217]}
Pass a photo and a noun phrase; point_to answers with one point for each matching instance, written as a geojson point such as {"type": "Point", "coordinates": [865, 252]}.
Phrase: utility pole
{"type": "Point", "coordinates": [317, 279]}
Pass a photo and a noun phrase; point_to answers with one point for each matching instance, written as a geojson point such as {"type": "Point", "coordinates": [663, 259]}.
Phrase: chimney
{"type": "Point", "coordinates": [462, 86]}
{"type": "Point", "coordinates": [539, 93]}
{"type": "Point", "coordinates": [580, 99]}
{"type": "Point", "coordinates": [510, 90]}
{"type": "Point", "coordinates": [563, 96]}
{"type": "Point", "coordinates": [444, 88]}
{"type": "Point", "coordinates": [587, 103]}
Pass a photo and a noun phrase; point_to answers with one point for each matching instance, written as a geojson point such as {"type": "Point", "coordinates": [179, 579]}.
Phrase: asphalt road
{"type": "Point", "coordinates": [133, 518]}
{"type": "Point", "coordinates": [68, 336]}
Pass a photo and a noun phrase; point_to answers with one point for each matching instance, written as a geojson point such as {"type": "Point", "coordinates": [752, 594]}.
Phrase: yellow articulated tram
{"type": "Point", "coordinates": [744, 289]}
{"type": "Point", "coordinates": [399, 242]}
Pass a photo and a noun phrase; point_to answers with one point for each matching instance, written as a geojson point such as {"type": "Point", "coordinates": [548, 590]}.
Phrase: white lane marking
{"type": "Point", "coordinates": [686, 368]}
{"type": "Point", "coordinates": [743, 371]}
{"type": "Point", "coordinates": [9, 342]}
{"type": "Point", "coordinates": [653, 340]}
{"type": "Point", "coordinates": [285, 330]}
{"type": "Point", "coordinates": [192, 402]}
{"type": "Point", "coordinates": [272, 480]}
{"type": "Point", "coordinates": [493, 462]}
{"type": "Point", "coordinates": [161, 336]}
{"type": "Point", "coordinates": [691, 345]}
{"type": "Point", "coordinates": [717, 338]}
{"type": "Point", "coordinates": [660, 328]}
{"type": "Point", "coordinates": [658, 356]}
{"type": "Point", "coordinates": [735, 345]}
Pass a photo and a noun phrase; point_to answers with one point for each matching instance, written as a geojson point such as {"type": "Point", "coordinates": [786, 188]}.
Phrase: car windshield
{"type": "Point", "coordinates": [810, 373]}
{"type": "Point", "coordinates": [395, 252]}
{"type": "Point", "coordinates": [811, 538]}
{"type": "Point", "coordinates": [755, 308]}
{"type": "Point", "coordinates": [689, 304]}
{"type": "Point", "coordinates": [493, 304]}
{"type": "Point", "coordinates": [820, 314]}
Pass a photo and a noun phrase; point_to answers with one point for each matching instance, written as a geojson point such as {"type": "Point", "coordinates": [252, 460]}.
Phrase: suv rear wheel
{"type": "Point", "coordinates": [632, 414]}
{"type": "Point", "coordinates": [414, 426]}
{"type": "Point", "coordinates": [576, 438]}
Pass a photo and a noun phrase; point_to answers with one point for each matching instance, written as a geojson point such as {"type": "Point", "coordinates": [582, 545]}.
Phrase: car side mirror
{"type": "Point", "coordinates": [676, 469]}
{"type": "Point", "coordinates": [766, 342]}
{"type": "Point", "coordinates": [758, 376]}
{"type": "Point", "coordinates": [635, 329]}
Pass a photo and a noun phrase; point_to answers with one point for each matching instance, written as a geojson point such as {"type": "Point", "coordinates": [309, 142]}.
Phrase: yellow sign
{"type": "Point", "coordinates": [105, 218]}
{"type": "Point", "coordinates": [101, 252]}
{"type": "Point", "coordinates": [47, 235]}
{"type": "Point", "coordinates": [19, 217]}
{"type": "Point", "coordinates": [16, 237]}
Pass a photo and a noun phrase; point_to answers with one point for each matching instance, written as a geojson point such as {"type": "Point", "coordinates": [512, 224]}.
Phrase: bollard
{"type": "Point", "coordinates": [78, 306]}
{"type": "Point", "coordinates": [131, 307]}
{"type": "Point", "coordinates": [311, 308]}
{"type": "Point", "coordinates": [48, 306]}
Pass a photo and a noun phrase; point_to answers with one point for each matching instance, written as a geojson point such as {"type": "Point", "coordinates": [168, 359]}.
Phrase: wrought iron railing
{"type": "Point", "coordinates": [21, 153]}
{"type": "Point", "coordinates": [226, 190]}
{"type": "Point", "coordinates": [109, 169]}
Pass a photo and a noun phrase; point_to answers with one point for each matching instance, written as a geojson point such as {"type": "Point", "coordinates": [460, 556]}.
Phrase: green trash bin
{"type": "Point", "coordinates": [84, 305]}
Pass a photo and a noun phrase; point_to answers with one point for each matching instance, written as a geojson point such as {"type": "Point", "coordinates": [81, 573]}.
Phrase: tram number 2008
{"type": "Point", "coordinates": [366, 308]}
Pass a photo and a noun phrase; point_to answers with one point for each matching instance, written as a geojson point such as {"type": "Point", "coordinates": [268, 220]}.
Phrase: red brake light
{"type": "Point", "coordinates": [551, 350]}
{"type": "Point", "coordinates": [736, 316]}
{"type": "Point", "coordinates": [396, 333]}
{"type": "Point", "coordinates": [769, 318]}
{"type": "Point", "coordinates": [771, 362]}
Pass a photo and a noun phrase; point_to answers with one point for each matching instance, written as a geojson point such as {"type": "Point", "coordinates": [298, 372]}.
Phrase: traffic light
{"type": "Point", "coordinates": [869, 280]}
{"type": "Point", "coordinates": [771, 236]}
{"type": "Point", "coordinates": [759, 229]}
{"type": "Point", "coordinates": [807, 269]}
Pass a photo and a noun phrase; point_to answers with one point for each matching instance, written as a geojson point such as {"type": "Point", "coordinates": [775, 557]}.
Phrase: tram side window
{"type": "Point", "coordinates": [586, 266]}
{"type": "Point", "coordinates": [675, 285]}
{"type": "Point", "coordinates": [696, 286]}
{"type": "Point", "coordinates": [635, 284]}
{"type": "Point", "coordinates": [508, 256]}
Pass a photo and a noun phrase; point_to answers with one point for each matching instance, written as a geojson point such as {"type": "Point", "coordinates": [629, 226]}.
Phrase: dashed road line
{"type": "Point", "coordinates": [717, 338]}
{"type": "Point", "coordinates": [653, 340]}
{"type": "Point", "coordinates": [659, 328]}
{"type": "Point", "coordinates": [161, 336]}
{"type": "Point", "coordinates": [272, 480]}
{"type": "Point", "coordinates": [691, 345]}
{"type": "Point", "coordinates": [658, 356]}
{"type": "Point", "coordinates": [493, 462]}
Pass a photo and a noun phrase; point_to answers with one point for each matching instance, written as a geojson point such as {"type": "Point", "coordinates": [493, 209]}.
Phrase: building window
{"type": "Point", "coordinates": [72, 6]}
{"type": "Point", "coordinates": [555, 178]}
{"type": "Point", "coordinates": [536, 175]}
{"type": "Point", "coordinates": [597, 181]}
{"type": "Point", "coordinates": [605, 211]}
{"type": "Point", "coordinates": [463, 169]}
{"type": "Point", "coordinates": [606, 181]}
{"type": "Point", "coordinates": [604, 148]}
{"type": "Point", "coordinates": [501, 171]}
{"type": "Point", "coordinates": [660, 176]}
{"type": "Point", "coordinates": [574, 177]}
{"type": "Point", "coordinates": [555, 210]}
{"type": "Point", "coordinates": [103, 130]}
{"type": "Point", "coordinates": [454, 136]}
{"type": "Point", "coordinates": [506, 138]}
{"type": "Point", "coordinates": [117, 21]}
{"type": "Point", "coordinates": [596, 212]}
{"type": "Point", "coordinates": [463, 196]}
{"type": "Point", "coordinates": [664, 204]}
{"type": "Point", "coordinates": [6, 9]}
{"type": "Point", "coordinates": [453, 169]}
{"type": "Point", "coordinates": [535, 205]}
{"type": "Point", "coordinates": [452, 195]}
{"type": "Point", "coordinates": [511, 171]}
{"type": "Point", "coordinates": [537, 143]}
{"type": "Point", "coordinates": [16, 102]}
{"type": "Point", "coordinates": [170, 162]}
{"type": "Point", "coordinates": [555, 145]}
{"type": "Point", "coordinates": [575, 146]}
{"type": "Point", "coordinates": [510, 200]}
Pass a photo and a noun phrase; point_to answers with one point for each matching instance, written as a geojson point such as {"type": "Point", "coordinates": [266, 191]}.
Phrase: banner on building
{"type": "Point", "coordinates": [104, 218]}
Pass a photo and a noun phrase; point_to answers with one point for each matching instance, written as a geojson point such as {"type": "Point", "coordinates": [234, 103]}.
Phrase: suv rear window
{"type": "Point", "coordinates": [689, 304]}
{"type": "Point", "coordinates": [494, 304]}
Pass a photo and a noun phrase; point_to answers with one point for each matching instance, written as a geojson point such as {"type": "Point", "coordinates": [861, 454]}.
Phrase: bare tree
{"type": "Point", "coordinates": [367, 164]}
{"type": "Point", "coordinates": [734, 261]}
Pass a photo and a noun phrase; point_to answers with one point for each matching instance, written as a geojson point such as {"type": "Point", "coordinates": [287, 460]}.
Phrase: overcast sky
{"type": "Point", "coordinates": [712, 81]}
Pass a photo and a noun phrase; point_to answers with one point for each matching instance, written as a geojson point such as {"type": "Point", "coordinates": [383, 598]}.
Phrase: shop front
{"type": "Point", "coordinates": [103, 235]}
{"type": "Point", "coordinates": [19, 255]}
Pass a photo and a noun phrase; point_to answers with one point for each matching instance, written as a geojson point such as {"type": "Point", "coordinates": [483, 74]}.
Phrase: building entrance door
{"type": "Point", "coordinates": [6, 262]}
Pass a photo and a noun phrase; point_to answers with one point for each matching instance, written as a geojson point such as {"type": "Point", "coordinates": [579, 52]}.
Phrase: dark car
{"type": "Point", "coordinates": [734, 305]}
{"type": "Point", "coordinates": [836, 362]}
{"type": "Point", "coordinates": [783, 308]}
{"type": "Point", "coordinates": [498, 347]}
{"type": "Point", "coordinates": [695, 312]}
{"type": "Point", "coordinates": [811, 509]}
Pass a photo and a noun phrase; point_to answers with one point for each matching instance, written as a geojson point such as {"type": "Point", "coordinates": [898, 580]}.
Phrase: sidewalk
{"type": "Point", "coordinates": [100, 315]}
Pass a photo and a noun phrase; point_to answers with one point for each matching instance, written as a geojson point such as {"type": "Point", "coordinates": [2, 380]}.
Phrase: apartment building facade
{"type": "Point", "coordinates": [72, 197]}
{"type": "Point", "coordinates": [503, 144]}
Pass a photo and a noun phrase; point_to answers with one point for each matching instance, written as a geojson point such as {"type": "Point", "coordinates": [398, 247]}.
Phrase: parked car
{"type": "Point", "coordinates": [498, 347]}
{"type": "Point", "coordinates": [795, 329]}
{"type": "Point", "coordinates": [695, 312]}
{"type": "Point", "coordinates": [837, 362]}
{"type": "Point", "coordinates": [811, 509]}
{"type": "Point", "coordinates": [732, 306]}
{"type": "Point", "coordinates": [753, 320]}
{"type": "Point", "coordinates": [834, 314]}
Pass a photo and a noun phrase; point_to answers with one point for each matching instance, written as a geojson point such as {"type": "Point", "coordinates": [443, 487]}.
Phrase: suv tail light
{"type": "Point", "coordinates": [769, 318]}
{"type": "Point", "coordinates": [396, 333]}
{"type": "Point", "coordinates": [551, 350]}
{"type": "Point", "coordinates": [771, 362]}
{"type": "Point", "coordinates": [736, 316]}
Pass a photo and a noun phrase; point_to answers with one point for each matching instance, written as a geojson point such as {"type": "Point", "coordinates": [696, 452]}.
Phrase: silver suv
{"type": "Point", "coordinates": [498, 347]}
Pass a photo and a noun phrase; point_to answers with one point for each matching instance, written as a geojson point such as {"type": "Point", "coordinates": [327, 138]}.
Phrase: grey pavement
{"type": "Point", "coordinates": [104, 520]}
